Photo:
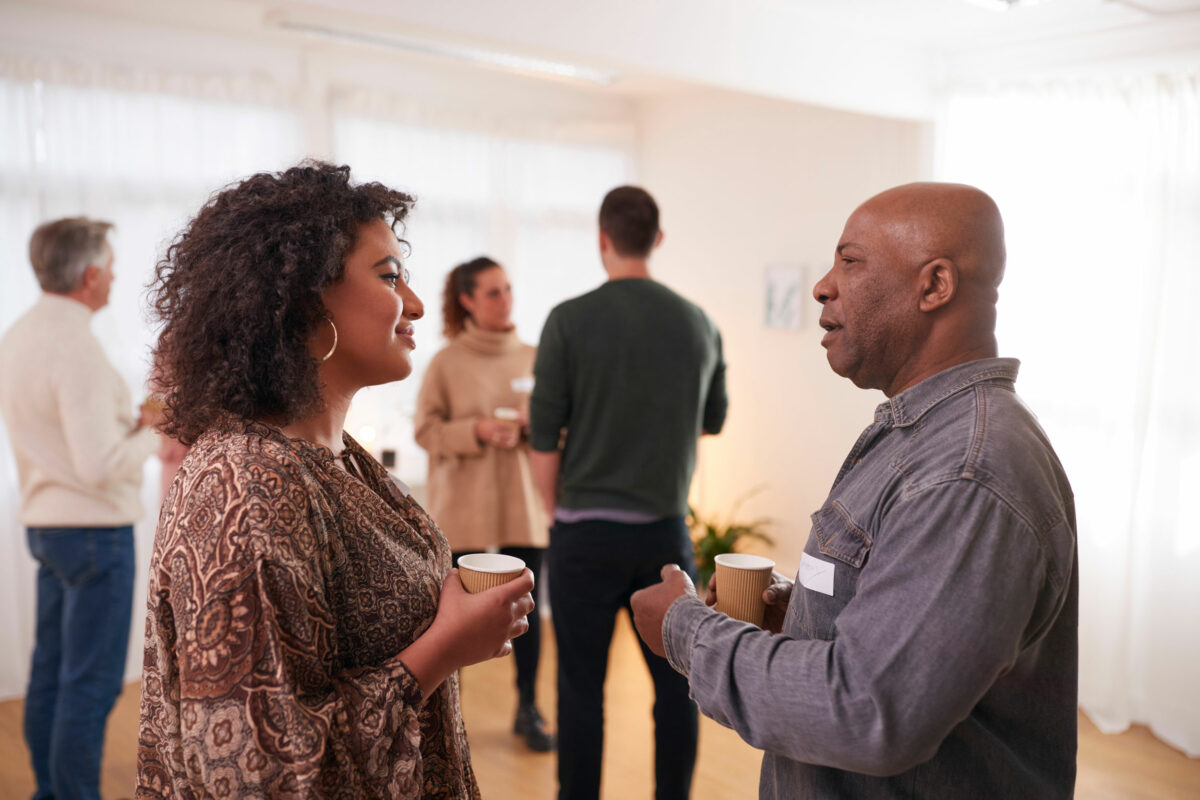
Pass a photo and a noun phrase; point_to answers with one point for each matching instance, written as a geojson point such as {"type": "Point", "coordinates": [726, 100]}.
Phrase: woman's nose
{"type": "Point", "coordinates": [414, 309]}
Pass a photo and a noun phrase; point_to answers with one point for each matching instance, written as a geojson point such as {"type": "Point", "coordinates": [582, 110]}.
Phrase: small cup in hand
{"type": "Point", "coordinates": [741, 580]}
{"type": "Point", "coordinates": [482, 571]}
{"type": "Point", "coordinates": [507, 414]}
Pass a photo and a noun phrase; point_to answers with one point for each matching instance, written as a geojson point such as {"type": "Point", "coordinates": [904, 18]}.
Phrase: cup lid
{"type": "Point", "coordinates": [491, 562]}
{"type": "Point", "coordinates": [744, 561]}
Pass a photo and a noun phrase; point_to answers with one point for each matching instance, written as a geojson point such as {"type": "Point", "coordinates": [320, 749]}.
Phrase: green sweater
{"type": "Point", "coordinates": [634, 374]}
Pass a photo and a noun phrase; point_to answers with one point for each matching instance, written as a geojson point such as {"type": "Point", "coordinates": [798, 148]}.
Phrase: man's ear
{"type": "Point", "coordinates": [91, 274]}
{"type": "Point", "coordinates": [604, 242]}
{"type": "Point", "coordinates": [938, 283]}
{"type": "Point", "coordinates": [658, 239]}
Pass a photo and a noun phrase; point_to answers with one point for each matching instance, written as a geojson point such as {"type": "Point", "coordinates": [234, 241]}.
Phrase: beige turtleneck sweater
{"type": "Point", "coordinates": [480, 496]}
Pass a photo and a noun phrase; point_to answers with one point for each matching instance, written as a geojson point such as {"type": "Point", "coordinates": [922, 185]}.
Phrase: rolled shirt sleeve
{"type": "Point", "coordinates": [935, 620]}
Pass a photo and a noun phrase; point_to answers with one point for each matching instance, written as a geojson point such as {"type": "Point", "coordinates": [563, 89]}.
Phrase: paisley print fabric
{"type": "Point", "coordinates": [281, 589]}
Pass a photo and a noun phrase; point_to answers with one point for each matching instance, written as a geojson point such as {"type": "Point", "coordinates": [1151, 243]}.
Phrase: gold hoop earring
{"type": "Point", "coordinates": [335, 340]}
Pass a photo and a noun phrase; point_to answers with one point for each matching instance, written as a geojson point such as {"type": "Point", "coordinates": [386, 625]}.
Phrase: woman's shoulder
{"type": "Point", "coordinates": [242, 484]}
{"type": "Point", "coordinates": [244, 449]}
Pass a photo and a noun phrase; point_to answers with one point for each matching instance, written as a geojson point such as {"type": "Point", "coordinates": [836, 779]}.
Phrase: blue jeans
{"type": "Point", "coordinates": [84, 603]}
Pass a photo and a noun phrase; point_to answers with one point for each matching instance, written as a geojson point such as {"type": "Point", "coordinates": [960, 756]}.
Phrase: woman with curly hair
{"type": "Point", "coordinates": [470, 417]}
{"type": "Point", "coordinates": [304, 625]}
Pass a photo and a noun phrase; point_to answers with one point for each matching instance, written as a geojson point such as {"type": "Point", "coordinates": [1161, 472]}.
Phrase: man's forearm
{"type": "Point", "coordinates": [544, 466]}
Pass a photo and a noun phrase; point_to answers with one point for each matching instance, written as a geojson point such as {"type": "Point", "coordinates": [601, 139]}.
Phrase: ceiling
{"type": "Point", "coordinates": [888, 57]}
{"type": "Point", "coordinates": [957, 25]}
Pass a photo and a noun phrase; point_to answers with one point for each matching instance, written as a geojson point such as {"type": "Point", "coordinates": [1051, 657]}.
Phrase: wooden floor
{"type": "Point", "coordinates": [1131, 766]}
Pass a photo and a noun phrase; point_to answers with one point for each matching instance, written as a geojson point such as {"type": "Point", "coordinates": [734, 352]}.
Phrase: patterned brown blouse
{"type": "Point", "coordinates": [281, 590]}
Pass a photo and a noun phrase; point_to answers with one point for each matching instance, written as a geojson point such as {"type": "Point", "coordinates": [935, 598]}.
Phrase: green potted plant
{"type": "Point", "coordinates": [712, 537]}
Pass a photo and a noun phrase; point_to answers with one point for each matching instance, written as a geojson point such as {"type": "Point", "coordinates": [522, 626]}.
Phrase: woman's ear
{"type": "Point", "coordinates": [465, 300]}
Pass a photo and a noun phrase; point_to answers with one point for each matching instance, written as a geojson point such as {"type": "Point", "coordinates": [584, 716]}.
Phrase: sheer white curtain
{"type": "Point", "coordinates": [1099, 185]}
{"type": "Point", "coordinates": [526, 197]}
{"type": "Point", "coordinates": [143, 152]}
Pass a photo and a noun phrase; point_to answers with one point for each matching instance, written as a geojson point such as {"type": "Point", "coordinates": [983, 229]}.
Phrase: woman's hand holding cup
{"type": "Point", "coordinates": [469, 628]}
{"type": "Point", "coordinates": [481, 626]}
{"type": "Point", "coordinates": [497, 432]}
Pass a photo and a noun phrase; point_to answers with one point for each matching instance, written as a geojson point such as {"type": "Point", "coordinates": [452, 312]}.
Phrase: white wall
{"type": "Point", "coordinates": [743, 182]}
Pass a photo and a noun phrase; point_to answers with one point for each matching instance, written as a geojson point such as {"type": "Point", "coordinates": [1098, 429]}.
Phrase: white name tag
{"type": "Point", "coordinates": [816, 574]}
{"type": "Point", "coordinates": [522, 385]}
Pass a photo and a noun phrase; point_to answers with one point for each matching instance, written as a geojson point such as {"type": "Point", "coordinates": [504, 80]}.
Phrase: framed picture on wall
{"type": "Point", "coordinates": [785, 297]}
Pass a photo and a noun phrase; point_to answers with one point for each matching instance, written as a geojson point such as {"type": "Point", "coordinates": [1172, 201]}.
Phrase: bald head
{"type": "Point", "coordinates": [944, 220]}
{"type": "Point", "coordinates": [913, 288]}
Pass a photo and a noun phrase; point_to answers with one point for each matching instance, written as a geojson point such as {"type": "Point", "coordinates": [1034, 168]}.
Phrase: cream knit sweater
{"type": "Point", "coordinates": [70, 420]}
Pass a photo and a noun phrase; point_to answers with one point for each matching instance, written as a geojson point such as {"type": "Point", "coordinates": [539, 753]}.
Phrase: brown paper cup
{"type": "Point", "coordinates": [741, 581]}
{"type": "Point", "coordinates": [482, 571]}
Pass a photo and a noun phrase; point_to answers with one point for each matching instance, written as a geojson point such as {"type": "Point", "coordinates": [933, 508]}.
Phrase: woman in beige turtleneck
{"type": "Point", "coordinates": [471, 417]}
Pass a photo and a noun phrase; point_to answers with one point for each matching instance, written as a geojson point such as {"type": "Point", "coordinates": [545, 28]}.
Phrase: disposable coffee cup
{"type": "Point", "coordinates": [482, 571]}
{"type": "Point", "coordinates": [741, 581]}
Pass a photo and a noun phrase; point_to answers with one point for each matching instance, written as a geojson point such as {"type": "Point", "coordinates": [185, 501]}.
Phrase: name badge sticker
{"type": "Point", "coordinates": [816, 574]}
{"type": "Point", "coordinates": [522, 385]}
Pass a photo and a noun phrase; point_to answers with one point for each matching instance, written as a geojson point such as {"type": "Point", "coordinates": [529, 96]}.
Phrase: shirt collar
{"type": "Point", "coordinates": [65, 308]}
{"type": "Point", "coordinates": [910, 405]}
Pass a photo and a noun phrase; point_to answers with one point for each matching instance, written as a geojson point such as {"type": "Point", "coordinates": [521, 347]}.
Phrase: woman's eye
{"type": "Point", "coordinates": [391, 278]}
{"type": "Point", "coordinates": [407, 276]}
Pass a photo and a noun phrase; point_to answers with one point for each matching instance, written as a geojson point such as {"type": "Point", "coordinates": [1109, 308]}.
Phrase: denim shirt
{"type": "Point", "coordinates": [930, 647]}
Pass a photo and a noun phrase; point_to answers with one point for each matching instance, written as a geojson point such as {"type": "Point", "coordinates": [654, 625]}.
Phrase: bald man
{"type": "Point", "coordinates": [928, 648]}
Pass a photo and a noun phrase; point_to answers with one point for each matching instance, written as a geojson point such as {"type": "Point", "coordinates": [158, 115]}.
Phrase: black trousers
{"type": "Point", "coordinates": [527, 649]}
{"type": "Point", "coordinates": [595, 567]}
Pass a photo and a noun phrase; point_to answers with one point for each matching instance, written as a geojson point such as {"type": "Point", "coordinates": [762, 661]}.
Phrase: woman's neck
{"type": "Point", "coordinates": [323, 427]}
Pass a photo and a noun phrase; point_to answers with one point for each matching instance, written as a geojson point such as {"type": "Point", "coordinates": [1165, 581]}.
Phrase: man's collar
{"type": "Point", "coordinates": [910, 405]}
{"type": "Point", "coordinates": [68, 307]}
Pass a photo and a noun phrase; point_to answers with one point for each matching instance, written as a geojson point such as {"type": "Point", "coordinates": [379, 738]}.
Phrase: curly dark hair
{"type": "Point", "coordinates": [239, 293]}
{"type": "Point", "coordinates": [461, 280]}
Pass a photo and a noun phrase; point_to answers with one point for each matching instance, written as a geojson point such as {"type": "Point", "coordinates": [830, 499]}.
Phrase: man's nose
{"type": "Point", "coordinates": [823, 289]}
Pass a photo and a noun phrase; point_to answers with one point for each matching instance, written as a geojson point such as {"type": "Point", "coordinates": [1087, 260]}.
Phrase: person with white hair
{"type": "Point", "coordinates": [79, 451]}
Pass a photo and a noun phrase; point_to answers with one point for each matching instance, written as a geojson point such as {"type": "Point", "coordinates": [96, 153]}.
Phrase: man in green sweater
{"type": "Point", "coordinates": [633, 374]}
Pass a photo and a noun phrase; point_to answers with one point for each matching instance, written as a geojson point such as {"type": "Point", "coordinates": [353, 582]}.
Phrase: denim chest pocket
{"type": "Point", "coordinates": [844, 546]}
{"type": "Point", "coordinates": [839, 537]}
